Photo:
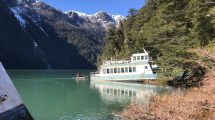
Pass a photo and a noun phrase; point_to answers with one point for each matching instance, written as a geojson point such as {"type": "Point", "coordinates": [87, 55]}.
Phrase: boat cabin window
{"type": "Point", "coordinates": [108, 71]}
{"type": "Point", "coordinates": [122, 91]}
{"type": "Point", "coordinates": [134, 58]}
{"type": "Point", "coordinates": [126, 69]}
{"type": "Point", "coordinates": [104, 71]}
{"type": "Point", "coordinates": [118, 70]}
{"type": "Point", "coordinates": [138, 57]}
{"type": "Point", "coordinates": [134, 69]}
{"type": "Point", "coordinates": [134, 93]}
{"type": "Point", "coordinates": [115, 70]}
{"type": "Point", "coordinates": [142, 57]}
{"type": "Point", "coordinates": [122, 70]}
{"type": "Point", "coordinates": [130, 69]}
{"type": "Point", "coordinates": [146, 67]}
{"type": "Point", "coordinates": [146, 57]}
{"type": "Point", "coordinates": [111, 70]}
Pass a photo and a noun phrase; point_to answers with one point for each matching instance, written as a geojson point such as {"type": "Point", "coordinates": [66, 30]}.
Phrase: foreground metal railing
{"type": "Point", "coordinates": [93, 73]}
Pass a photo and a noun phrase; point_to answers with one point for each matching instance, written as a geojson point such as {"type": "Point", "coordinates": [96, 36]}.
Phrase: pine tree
{"type": "Point", "coordinates": [132, 12]}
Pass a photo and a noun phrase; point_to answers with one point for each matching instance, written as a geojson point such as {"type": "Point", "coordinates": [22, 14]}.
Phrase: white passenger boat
{"type": "Point", "coordinates": [11, 105]}
{"type": "Point", "coordinates": [138, 68]}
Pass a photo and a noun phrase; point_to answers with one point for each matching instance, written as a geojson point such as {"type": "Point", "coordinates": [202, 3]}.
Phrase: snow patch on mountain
{"type": "Point", "coordinates": [37, 19]}
{"type": "Point", "coordinates": [79, 13]}
{"type": "Point", "coordinates": [17, 11]}
{"type": "Point", "coordinates": [25, 1]}
{"type": "Point", "coordinates": [35, 44]}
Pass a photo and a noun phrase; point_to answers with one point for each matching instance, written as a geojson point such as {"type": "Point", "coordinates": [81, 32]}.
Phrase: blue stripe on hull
{"type": "Point", "coordinates": [124, 77]}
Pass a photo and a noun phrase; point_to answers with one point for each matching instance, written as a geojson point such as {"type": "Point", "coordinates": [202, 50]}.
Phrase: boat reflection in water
{"type": "Point", "coordinates": [112, 92]}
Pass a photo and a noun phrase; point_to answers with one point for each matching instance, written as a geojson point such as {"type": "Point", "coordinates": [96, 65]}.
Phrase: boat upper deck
{"type": "Point", "coordinates": [136, 59]}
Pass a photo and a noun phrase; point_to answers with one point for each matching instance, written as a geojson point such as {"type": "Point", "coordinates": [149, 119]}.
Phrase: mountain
{"type": "Point", "coordinates": [99, 21]}
{"type": "Point", "coordinates": [34, 35]}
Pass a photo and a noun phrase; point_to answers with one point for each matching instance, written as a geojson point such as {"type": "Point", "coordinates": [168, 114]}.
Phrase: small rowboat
{"type": "Point", "coordinates": [80, 77]}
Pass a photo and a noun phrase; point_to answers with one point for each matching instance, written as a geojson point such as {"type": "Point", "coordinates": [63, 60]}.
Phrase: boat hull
{"type": "Point", "coordinates": [138, 77]}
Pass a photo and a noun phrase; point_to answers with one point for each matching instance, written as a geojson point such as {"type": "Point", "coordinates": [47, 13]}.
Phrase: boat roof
{"type": "Point", "coordinates": [139, 54]}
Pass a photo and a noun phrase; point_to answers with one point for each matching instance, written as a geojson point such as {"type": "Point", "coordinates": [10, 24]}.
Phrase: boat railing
{"type": "Point", "coordinates": [94, 73]}
{"type": "Point", "coordinates": [110, 62]}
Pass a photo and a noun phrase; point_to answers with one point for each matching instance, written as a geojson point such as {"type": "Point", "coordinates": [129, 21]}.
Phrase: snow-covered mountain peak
{"type": "Point", "coordinates": [79, 13]}
{"type": "Point", "coordinates": [115, 17]}
{"type": "Point", "coordinates": [100, 12]}
{"type": "Point", "coordinates": [118, 17]}
{"type": "Point", "coordinates": [101, 17]}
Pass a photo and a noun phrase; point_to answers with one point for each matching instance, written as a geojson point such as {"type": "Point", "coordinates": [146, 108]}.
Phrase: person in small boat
{"type": "Point", "coordinates": [80, 75]}
{"type": "Point", "coordinates": [77, 75]}
{"type": "Point", "coordinates": [3, 98]}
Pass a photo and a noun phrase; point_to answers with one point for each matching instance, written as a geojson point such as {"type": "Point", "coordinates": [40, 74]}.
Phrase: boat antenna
{"type": "Point", "coordinates": [144, 49]}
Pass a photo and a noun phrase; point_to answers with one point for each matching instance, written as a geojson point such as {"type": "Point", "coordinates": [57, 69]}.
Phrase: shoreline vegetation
{"type": "Point", "coordinates": [196, 102]}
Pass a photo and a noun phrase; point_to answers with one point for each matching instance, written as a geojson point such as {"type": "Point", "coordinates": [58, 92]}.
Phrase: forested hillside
{"type": "Point", "coordinates": [168, 29]}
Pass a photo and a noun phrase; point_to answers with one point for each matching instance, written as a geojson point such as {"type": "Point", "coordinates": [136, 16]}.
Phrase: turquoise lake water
{"type": "Point", "coordinates": [56, 95]}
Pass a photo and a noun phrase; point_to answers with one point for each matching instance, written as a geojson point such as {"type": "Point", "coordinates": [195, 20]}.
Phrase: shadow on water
{"type": "Point", "coordinates": [56, 95]}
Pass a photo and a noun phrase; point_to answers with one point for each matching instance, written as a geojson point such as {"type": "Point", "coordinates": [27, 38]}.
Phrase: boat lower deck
{"type": "Point", "coordinates": [136, 77]}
